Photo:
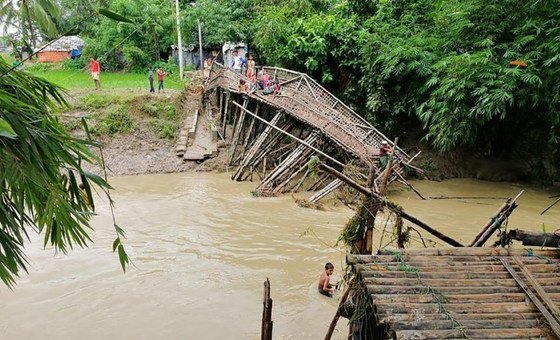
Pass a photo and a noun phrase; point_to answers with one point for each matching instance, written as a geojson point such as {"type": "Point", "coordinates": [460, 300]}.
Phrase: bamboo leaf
{"type": "Point", "coordinates": [116, 244]}
{"type": "Point", "coordinates": [123, 257]}
{"type": "Point", "coordinates": [6, 130]}
{"type": "Point", "coordinates": [114, 16]}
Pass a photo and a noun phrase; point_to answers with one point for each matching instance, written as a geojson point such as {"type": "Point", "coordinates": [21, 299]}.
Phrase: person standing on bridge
{"type": "Point", "coordinates": [385, 151]}
{"type": "Point", "coordinates": [250, 66]}
{"type": "Point", "coordinates": [238, 62]}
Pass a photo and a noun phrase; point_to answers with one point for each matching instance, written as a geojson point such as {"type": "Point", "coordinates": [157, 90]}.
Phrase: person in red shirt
{"type": "Point", "coordinates": [94, 67]}
{"type": "Point", "coordinates": [160, 74]}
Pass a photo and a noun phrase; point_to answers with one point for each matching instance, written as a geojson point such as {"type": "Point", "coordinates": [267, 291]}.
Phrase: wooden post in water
{"type": "Point", "coordinates": [266, 327]}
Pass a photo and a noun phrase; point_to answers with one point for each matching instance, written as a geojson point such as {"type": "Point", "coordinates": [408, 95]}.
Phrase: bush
{"type": "Point", "coordinates": [151, 109]}
{"type": "Point", "coordinates": [97, 101]}
{"type": "Point", "coordinates": [74, 64]}
{"type": "Point", "coordinates": [164, 128]}
{"type": "Point", "coordinates": [43, 67]}
{"type": "Point", "coordinates": [167, 129]}
{"type": "Point", "coordinates": [117, 120]}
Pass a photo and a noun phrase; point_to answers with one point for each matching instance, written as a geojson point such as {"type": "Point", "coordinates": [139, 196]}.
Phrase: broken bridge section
{"type": "Point", "coordinates": [274, 136]}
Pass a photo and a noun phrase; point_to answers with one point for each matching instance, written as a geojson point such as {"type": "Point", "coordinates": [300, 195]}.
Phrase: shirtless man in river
{"type": "Point", "coordinates": [325, 287]}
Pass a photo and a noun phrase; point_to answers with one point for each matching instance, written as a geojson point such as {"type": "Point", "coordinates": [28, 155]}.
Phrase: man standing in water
{"type": "Point", "coordinates": [325, 287]}
{"type": "Point", "coordinates": [94, 67]}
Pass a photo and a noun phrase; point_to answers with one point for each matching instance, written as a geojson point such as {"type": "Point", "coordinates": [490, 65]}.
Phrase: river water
{"type": "Point", "coordinates": [201, 248]}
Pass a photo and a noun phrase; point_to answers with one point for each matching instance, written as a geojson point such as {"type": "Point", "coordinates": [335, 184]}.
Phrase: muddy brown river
{"type": "Point", "coordinates": [201, 248]}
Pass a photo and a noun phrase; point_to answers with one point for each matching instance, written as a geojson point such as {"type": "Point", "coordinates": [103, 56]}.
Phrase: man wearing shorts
{"type": "Point", "coordinates": [94, 67]}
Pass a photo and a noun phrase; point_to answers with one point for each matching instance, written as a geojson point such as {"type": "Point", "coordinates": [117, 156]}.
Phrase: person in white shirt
{"type": "Point", "coordinates": [238, 62]}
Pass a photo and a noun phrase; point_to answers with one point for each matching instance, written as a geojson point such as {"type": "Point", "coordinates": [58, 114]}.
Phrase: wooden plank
{"type": "Point", "coordinates": [536, 284]}
{"type": "Point", "coordinates": [438, 259]}
{"type": "Point", "coordinates": [455, 298]}
{"type": "Point", "coordinates": [419, 289]}
{"type": "Point", "coordinates": [468, 324]}
{"type": "Point", "coordinates": [549, 318]}
{"type": "Point", "coordinates": [554, 281]}
{"type": "Point", "coordinates": [473, 251]}
{"type": "Point", "coordinates": [465, 274]}
{"type": "Point", "coordinates": [505, 333]}
{"type": "Point", "coordinates": [461, 268]}
{"type": "Point", "coordinates": [462, 317]}
{"type": "Point", "coordinates": [383, 308]}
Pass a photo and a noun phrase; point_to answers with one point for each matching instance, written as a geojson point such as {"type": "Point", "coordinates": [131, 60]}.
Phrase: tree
{"type": "Point", "coordinates": [30, 17]}
{"type": "Point", "coordinates": [133, 47]}
{"type": "Point", "coordinates": [43, 187]}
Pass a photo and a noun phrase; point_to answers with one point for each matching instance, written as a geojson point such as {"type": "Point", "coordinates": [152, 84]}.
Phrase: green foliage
{"type": "Point", "coordinates": [97, 101]}
{"type": "Point", "coordinates": [74, 64]}
{"type": "Point", "coordinates": [29, 18]}
{"type": "Point", "coordinates": [120, 45]}
{"type": "Point", "coordinates": [117, 120]}
{"type": "Point", "coordinates": [164, 118]}
{"type": "Point", "coordinates": [43, 186]}
{"type": "Point", "coordinates": [222, 20]}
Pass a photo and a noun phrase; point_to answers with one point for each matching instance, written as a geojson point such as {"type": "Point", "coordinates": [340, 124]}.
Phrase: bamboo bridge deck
{"type": "Point", "coordinates": [304, 102]}
{"type": "Point", "coordinates": [474, 293]}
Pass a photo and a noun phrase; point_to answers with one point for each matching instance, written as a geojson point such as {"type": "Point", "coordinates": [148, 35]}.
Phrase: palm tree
{"type": "Point", "coordinates": [30, 17]}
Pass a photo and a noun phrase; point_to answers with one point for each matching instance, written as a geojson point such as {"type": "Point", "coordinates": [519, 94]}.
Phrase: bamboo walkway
{"type": "Point", "coordinates": [473, 293]}
{"type": "Point", "coordinates": [303, 101]}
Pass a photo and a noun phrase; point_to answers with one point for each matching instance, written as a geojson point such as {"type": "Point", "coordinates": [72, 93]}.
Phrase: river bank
{"type": "Point", "coordinates": [136, 130]}
{"type": "Point", "coordinates": [144, 143]}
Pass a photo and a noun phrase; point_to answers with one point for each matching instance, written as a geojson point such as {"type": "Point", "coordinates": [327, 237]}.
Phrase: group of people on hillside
{"type": "Point", "coordinates": [161, 74]}
{"type": "Point", "coordinates": [95, 72]}
{"type": "Point", "coordinates": [258, 80]}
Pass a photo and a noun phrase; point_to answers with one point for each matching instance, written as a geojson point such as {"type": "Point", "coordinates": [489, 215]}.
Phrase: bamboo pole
{"type": "Point", "coordinates": [334, 321]}
{"type": "Point", "coordinates": [290, 135]}
{"type": "Point", "coordinates": [495, 222]}
{"type": "Point", "coordinates": [266, 326]}
{"type": "Point", "coordinates": [404, 215]}
{"type": "Point", "coordinates": [538, 288]}
{"type": "Point", "coordinates": [549, 318]}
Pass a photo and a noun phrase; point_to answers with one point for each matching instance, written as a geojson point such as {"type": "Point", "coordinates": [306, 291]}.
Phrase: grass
{"type": "Point", "coordinates": [81, 80]}
{"type": "Point", "coordinates": [77, 79]}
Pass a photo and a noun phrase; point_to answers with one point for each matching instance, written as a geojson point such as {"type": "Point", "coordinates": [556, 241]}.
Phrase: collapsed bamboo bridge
{"type": "Point", "coordinates": [274, 136]}
{"type": "Point", "coordinates": [466, 291]}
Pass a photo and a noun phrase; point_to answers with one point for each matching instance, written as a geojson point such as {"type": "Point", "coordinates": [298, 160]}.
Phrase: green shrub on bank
{"type": "Point", "coordinates": [74, 64]}
{"type": "Point", "coordinates": [164, 128]}
{"type": "Point", "coordinates": [117, 120]}
{"type": "Point", "coordinates": [98, 101]}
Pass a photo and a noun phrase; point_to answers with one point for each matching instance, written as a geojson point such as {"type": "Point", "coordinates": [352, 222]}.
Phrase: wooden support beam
{"type": "Point", "coordinates": [292, 136]}
{"type": "Point", "coordinates": [495, 222]}
{"type": "Point", "coordinates": [249, 132]}
{"type": "Point", "coordinates": [544, 311]}
{"type": "Point", "coordinates": [264, 151]}
{"type": "Point", "coordinates": [266, 327]}
{"type": "Point", "coordinates": [334, 321]}
{"type": "Point", "coordinates": [538, 288]}
{"type": "Point", "coordinates": [292, 176]}
{"type": "Point", "coordinates": [296, 156]}
{"type": "Point", "coordinates": [301, 181]}
{"type": "Point", "coordinates": [332, 186]}
{"type": "Point", "coordinates": [531, 238]}
{"type": "Point", "coordinates": [238, 131]}
{"type": "Point", "coordinates": [226, 111]}
{"type": "Point", "coordinates": [252, 153]}
{"type": "Point", "coordinates": [406, 216]}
